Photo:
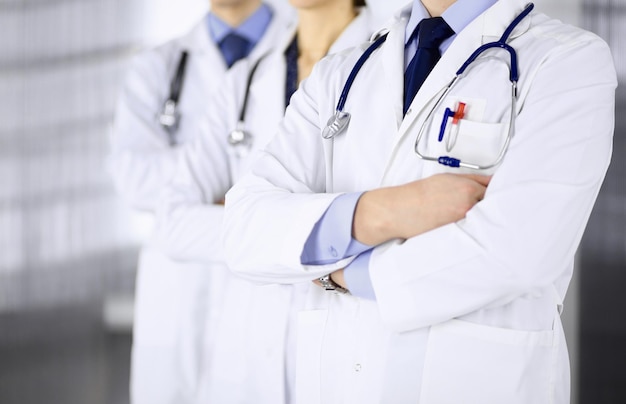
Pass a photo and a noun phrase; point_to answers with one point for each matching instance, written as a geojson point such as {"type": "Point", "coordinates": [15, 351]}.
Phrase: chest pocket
{"type": "Point", "coordinates": [461, 129]}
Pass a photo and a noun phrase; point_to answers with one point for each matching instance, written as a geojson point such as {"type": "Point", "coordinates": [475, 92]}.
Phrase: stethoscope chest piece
{"type": "Point", "coordinates": [240, 140]}
{"type": "Point", "coordinates": [336, 124]}
{"type": "Point", "coordinates": [169, 118]}
{"type": "Point", "coordinates": [340, 120]}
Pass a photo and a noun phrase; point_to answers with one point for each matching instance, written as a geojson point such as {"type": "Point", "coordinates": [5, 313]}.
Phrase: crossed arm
{"type": "Point", "coordinates": [549, 181]}
{"type": "Point", "coordinates": [405, 211]}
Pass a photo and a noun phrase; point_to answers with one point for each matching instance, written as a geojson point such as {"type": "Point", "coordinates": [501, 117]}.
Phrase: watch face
{"type": "Point", "coordinates": [327, 282]}
{"type": "Point", "coordinates": [331, 285]}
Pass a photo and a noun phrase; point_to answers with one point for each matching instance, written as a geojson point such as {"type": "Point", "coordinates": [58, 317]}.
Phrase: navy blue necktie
{"type": "Point", "coordinates": [291, 56]}
{"type": "Point", "coordinates": [234, 47]}
{"type": "Point", "coordinates": [431, 33]}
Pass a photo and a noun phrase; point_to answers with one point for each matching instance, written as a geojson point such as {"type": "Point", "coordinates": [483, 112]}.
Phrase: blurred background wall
{"type": "Point", "coordinates": [68, 245]}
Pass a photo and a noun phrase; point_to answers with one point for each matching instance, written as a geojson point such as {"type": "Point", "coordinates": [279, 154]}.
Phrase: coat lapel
{"type": "Point", "coordinates": [392, 55]}
{"type": "Point", "coordinates": [203, 49]}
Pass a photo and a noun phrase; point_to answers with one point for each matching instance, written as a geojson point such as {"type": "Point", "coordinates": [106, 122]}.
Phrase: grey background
{"type": "Point", "coordinates": [68, 245]}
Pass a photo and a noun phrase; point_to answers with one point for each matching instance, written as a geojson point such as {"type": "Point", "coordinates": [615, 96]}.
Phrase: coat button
{"type": "Point", "coordinates": [357, 367]}
{"type": "Point", "coordinates": [333, 252]}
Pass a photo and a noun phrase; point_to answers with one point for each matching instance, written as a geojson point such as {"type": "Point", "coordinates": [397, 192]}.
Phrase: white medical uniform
{"type": "Point", "coordinates": [467, 311]}
{"type": "Point", "coordinates": [253, 357]}
{"type": "Point", "coordinates": [172, 298]}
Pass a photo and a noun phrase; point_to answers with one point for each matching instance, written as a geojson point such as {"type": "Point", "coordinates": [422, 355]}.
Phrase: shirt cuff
{"type": "Point", "coordinates": [331, 238]}
{"type": "Point", "coordinates": [357, 277]}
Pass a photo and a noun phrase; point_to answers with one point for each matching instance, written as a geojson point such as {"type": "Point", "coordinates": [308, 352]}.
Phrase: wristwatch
{"type": "Point", "coordinates": [328, 284]}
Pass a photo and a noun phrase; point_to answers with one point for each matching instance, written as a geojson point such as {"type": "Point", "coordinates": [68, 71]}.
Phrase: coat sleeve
{"type": "Point", "coordinates": [271, 211]}
{"type": "Point", "coordinates": [523, 236]}
{"type": "Point", "coordinates": [189, 210]}
{"type": "Point", "coordinates": [141, 160]}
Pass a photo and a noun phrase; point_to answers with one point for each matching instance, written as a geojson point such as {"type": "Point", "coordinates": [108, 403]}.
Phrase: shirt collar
{"type": "Point", "coordinates": [252, 28]}
{"type": "Point", "coordinates": [458, 15]}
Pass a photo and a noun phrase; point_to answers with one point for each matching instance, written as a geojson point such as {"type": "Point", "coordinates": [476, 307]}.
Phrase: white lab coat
{"type": "Point", "coordinates": [253, 357]}
{"type": "Point", "coordinates": [172, 298]}
{"type": "Point", "coordinates": [466, 313]}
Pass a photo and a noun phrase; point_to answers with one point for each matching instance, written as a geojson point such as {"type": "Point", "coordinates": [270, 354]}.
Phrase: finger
{"type": "Point", "coordinates": [480, 195]}
{"type": "Point", "coordinates": [481, 179]}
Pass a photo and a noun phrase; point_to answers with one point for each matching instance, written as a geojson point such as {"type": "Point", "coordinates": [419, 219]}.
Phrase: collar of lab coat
{"type": "Point", "coordinates": [280, 24]}
{"type": "Point", "coordinates": [197, 40]}
{"type": "Point", "coordinates": [361, 27]}
{"type": "Point", "coordinates": [493, 21]}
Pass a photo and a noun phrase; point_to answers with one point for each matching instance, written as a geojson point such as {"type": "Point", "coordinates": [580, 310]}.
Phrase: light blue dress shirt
{"type": "Point", "coordinates": [457, 16]}
{"type": "Point", "coordinates": [252, 28]}
{"type": "Point", "coordinates": [331, 238]}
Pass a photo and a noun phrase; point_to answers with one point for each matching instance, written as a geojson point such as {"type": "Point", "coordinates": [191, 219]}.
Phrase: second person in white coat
{"type": "Point", "coordinates": [252, 355]}
{"type": "Point", "coordinates": [171, 297]}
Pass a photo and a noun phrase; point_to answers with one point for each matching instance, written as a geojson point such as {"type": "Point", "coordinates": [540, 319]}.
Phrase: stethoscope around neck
{"type": "Point", "coordinates": [340, 120]}
{"type": "Point", "coordinates": [169, 117]}
{"type": "Point", "coordinates": [240, 138]}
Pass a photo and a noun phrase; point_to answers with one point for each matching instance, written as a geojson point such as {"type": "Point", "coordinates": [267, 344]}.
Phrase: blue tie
{"type": "Point", "coordinates": [431, 33]}
{"type": "Point", "coordinates": [291, 56]}
{"type": "Point", "coordinates": [234, 47]}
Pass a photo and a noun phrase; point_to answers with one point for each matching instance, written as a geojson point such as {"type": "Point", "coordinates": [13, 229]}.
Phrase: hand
{"type": "Point", "coordinates": [407, 210]}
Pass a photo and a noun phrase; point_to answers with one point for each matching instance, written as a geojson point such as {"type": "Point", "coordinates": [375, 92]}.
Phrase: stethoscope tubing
{"type": "Point", "coordinates": [169, 116]}
{"type": "Point", "coordinates": [244, 106]}
{"type": "Point", "coordinates": [240, 136]}
{"type": "Point", "coordinates": [501, 43]}
{"type": "Point", "coordinates": [177, 84]}
{"type": "Point", "coordinates": [356, 69]}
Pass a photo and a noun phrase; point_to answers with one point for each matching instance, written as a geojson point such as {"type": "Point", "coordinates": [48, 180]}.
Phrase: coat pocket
{"type": "Point", "coordinates": [471, 142]}
{"type": "Point", "coordinates": [477, 364]}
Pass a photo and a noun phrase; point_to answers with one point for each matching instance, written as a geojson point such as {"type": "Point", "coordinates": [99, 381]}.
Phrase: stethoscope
{"type": "Point", "coordinates": [169, 116]}
{"type": "Point", "coordinates": [339, 121]}
{"type": "Point", "coordinates": [239, 138]}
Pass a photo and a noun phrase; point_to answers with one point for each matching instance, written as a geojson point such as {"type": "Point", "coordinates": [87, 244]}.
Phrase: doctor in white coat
{"type": "Point", "coordinates": [455, 276]}
{"type": "Point", "coordinates": [252, 356]}
{"type": "Point", "coordinates": [172, 298]}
